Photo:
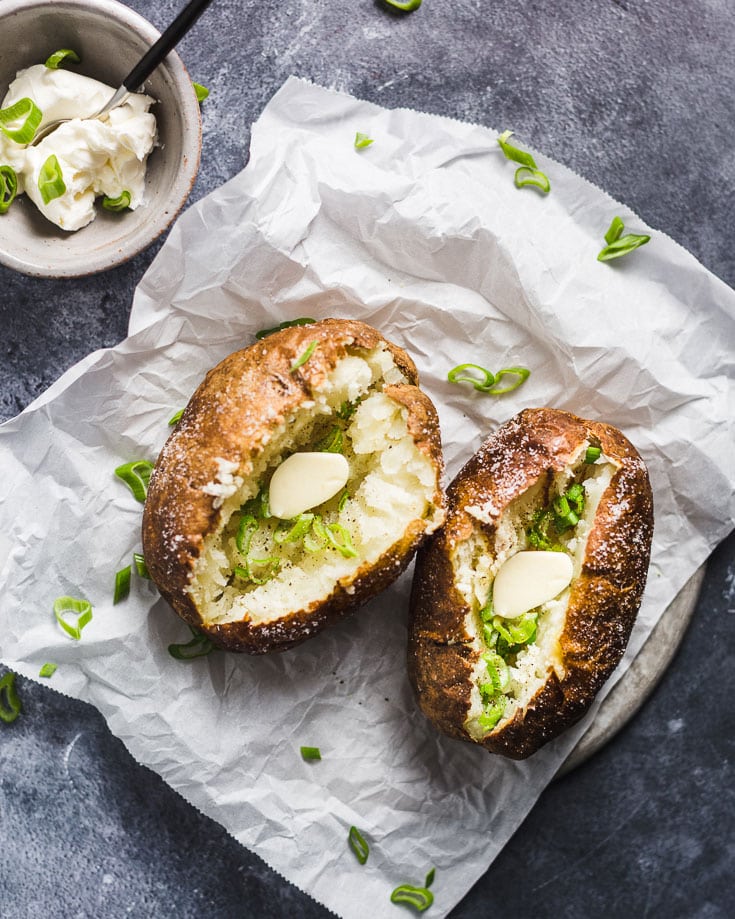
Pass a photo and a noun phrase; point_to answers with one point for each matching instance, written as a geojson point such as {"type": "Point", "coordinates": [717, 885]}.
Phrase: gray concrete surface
{"type": "Point", "coordinates": [635, 95]}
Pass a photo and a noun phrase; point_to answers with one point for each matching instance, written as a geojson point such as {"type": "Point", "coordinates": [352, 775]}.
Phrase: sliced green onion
{"type": "Point", "coordinates": [358, 845]}
{"type": "Point", "coordinates": [201, 91]}
{"type": "Point", "coordinates": [10, 706]}
{"type": "Point", "coordinates": [592, 454]}
{"type": "Point", "coordinates": [310, 753]}
{"type": "Point", "coordinates": [50, 180]}
{"type": "Point", "coordinates": [460, 374]}
{"type": "Point", "coordinates": [8, 187]}
{"type": "Point", "coordinates": [525, 175]}
{"type": "Point", "coordinates": [287, 324]}
{"type": "Point", "coordinates": [48, 670]}
{"type": "Point", "coordinates": [615, 231]}
{"type": "Point", "coordinates": [514, 153]}
{"type": "Point", "coordinates": [332, 442]}
{"type": "Point", "coordinates": [300, 361]}
{"type": "Point", "coordinates": [176, 417]}
{"type": "Point", "coordinates": [300, 528]}
{"type": "Point", "coordinates": [316, 539]}
{"type": "Point", "coordinates": [60, 56]}
{"type": "Point", "coordinates": [430, 878]}
{"type": "Point", "coordinates": [420, 898]}
{"type": "Point", "coordinates": [564, 516]}
{"type": "Point", "coordinates": [140, 566]}
{"type": "Point", "coordinates": [122, 584]}
{"type": "Point", "coordinates": [575, 496]}
{"type": "Point", "coordinates": [27, 110]}
{"type": "Point", "coordinates": [116, 205]}
{"type": "Point", "coordinates": [346, 410]}
{"type": "Point", "coordinates": [82, 609]}
{"type": "Point", "coordinates": [491, 715]}
{"type": "Point", "coordinates": [199, 646]}
{"type": "Point", "coordinates": [136, 476]}
{"type": "Point", "coordinates": [618, 245]}
{"type": "Point", "coordinates": [362, 141]}
{"type": "Point", "coordinates": [343, 499]}
{"type": "Point", "coordinates": [245, 532]}
{"type": "Point", "coordinates": [521, 374]}
{"type": "Point", "coordinates": [521, 631]}
{"type": "Point", "coordinates": [406, 6]}
{"type": "Point", "coordinates": [498, 672]}
{"type": "Point", "coordinates": [340, 538]}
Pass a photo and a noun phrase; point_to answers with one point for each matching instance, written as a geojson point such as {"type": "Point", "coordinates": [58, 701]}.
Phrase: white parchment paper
{"type": "Point", "coordinates": [425, 236]}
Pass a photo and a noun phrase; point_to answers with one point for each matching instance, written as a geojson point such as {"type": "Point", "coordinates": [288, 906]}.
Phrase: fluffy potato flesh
{"type": "Point", "coordinates": [286, 568]}
{"type": "Point", "coordinates": [508, 675]}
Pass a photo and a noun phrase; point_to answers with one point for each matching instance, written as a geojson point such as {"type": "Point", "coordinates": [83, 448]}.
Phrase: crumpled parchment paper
{"type": "Point", "coordinates": [424, 235]}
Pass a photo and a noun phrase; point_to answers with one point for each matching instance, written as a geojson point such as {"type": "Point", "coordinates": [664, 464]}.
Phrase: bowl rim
{"type": "Point", "coordinates": [191, 145]}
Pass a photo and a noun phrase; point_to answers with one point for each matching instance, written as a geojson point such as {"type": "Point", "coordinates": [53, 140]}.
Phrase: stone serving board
{"type": "Point", "coordinates": [643, 674]}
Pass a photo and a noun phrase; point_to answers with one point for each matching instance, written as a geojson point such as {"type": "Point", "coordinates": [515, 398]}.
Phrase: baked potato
{"type": "Point", "coordinates": [302, 476]}
{"type": "Point", "coordinates": [523, 602]}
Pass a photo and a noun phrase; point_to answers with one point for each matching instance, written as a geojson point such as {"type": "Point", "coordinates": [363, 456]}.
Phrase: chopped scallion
{"type": "Point", "coordinates": [525, 175]}
{"type": "Point", "coordinates": [615, 231]}
{"type": "Point", "coordinates": [362, 141]}
{"type": "Point", "coordinates": [287, 324]}
{"type": "Point", "coordinates": [405, 6]}
{"type": "Point", "coordinates": [592, 454]}
{"type": "Point", "coordinates": [81, 609]}
{"type": "Point", "coordinates": [122, 584]}
{"type": "Point", "coordinates": [514, 153]}
{"type": "Point", "coordinates": [51, 180]}
{"type": "Point", "coordinates": [176, 417]}
{"type": "Point", "coordinates": [300, 528]}
{"type": "Point", "coordinates": [358, 845]}
{"type": "Point", "coordinates": [48, 670]}
{"type": "Point", "coordinates": [420, 898]}
{"type": "Point", "coordinates": [521, 374]}
{"type": "Point", "coordinates": [8, 187]}
{"type": "Point", "coordinates": [618, 245]}
{"type": "Point", "coordinates": [116, 205]}
{"type": "Point", "coordinates": [60, 56]}
{"type": "Point", "coordinates": [340, 538]}
{"type": "Point", "coordinates": [430, 878]}
{"type": "Point", "coordinates": [201, 92]}
{"type": "Point", "coordinates": [10, 706]}
{"type": "Point", "coordinates": [303, 358]}
{"type": "Point", "coordinates": [140, 566]}
{"type": "Point", "coordinates": [136, 476]}
{"type": "Point", "coordinates": [311, 753]}
{"type": "Point", "coordinates": [332, 442]}
{"type": "Point", "coordinates": [199, 646]}
{"type": "Point", "coordinates": [469, 373]}
{"type": "Point", "coordinates": [27, 113]}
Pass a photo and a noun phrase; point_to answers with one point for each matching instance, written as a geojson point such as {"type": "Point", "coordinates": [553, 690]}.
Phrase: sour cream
{"type": "Point", "coordinates": [105, 156]}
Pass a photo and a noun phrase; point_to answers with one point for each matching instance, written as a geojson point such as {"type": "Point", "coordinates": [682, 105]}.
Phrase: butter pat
{"type": "Point", "coordinates": [529, 579]}
{"type": "Point", "coordinates": [98, 157]}
{"type": "Point", "coordinates": [306, 480]}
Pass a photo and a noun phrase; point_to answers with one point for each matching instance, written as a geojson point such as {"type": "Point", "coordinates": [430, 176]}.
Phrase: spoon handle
{"type": "Point", "coordinates": [170, 38]}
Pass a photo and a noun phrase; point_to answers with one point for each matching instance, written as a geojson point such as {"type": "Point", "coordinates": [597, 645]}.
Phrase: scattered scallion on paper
{"type": "Point", "coordinates": [8, 187]}
{"type": "Point", "coordinates": [51, 180]}
{"type": "Point", "coordinates": [485, 381]}
{"type": "Point", "coordinates": [72, 614]}
{"type": "Point", "coordinates": [405, 6]}
{"type": "Point", "coordinates": [310, 753]}
{"type": "Point", "coordinates": [63, 55]}
{"type": "Point", "coordinates": [48, 670]}
{"type": "Point", "coordinates": [201, 92]}
{"type": "Point", "coordinates": [286, 324]}
{"type": "Point", "coordinates": [140, 566]}
{"type": "Point", "coordinates": [198, 646]}
{"type": "Point", "coordinates": [25, 115]}
{"type": "Point", "coordinates": [617, 244]}
{"type": "Point", "coordinates": [303, 358]}
{"type": "Point", "coordinates": [527, 173]}
{"type": "Point", "coordinates": [136, 476]}
{"type": "Point", "coordinates": [358, 845]}
{"type": "Point", "coordinates": [10, 706]}
{"type": "Point", "coordinates": [420, 898]}
{"type": "Point", "coordinates": [176, 417]}
{"type": "Point", "coordinates": [362, 141]}
{"type": "Point", "coordinates": [117, 205]}
{"type": "Point", "coordinates": [122, 584]}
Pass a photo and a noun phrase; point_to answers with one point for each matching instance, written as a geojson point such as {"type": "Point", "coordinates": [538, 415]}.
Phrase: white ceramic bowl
{"type": "Point", "coordinates": [110, 38]}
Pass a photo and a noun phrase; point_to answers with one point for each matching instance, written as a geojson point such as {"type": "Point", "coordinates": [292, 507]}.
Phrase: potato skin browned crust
{"type": "Point", "coordinates": [604, 599]}
{"type": "Point", "coordinates": [231, 417]}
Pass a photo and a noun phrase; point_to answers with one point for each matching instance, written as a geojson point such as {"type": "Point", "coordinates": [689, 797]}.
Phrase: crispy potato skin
{"type": "Point", "coordinates": [604, 599]}
{"type": "Point", "coordinates": [231, 416]}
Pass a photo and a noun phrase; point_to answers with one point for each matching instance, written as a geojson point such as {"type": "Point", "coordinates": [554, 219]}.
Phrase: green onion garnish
{"type": "Point", "coordinates": [300, 361]}
{"type": "Point", "coordinates": [316, 539]}
{"type": "Point", "coordinates": [8, 187]}
{"type": "Point", "coordinates": [9, 701]}
{"type": "Point", "coordinates": [58, 57]}
{"type": "Point", "coordinates": [343, 499]}
{"type": "Point", "coordinates": [485, 381]}
{"type": "Point", "coordinates": [245, 532]}
{"type": "Point", "coordinates": [140, 566]}
{"type": "Point", "coordinates": [493, 713]}
{"type": "Point", "coordinates": [358, 845]}
{"type": "Point", "coordinates": [406, 6]}
{"type": "Point", "coordinates": [199, 646]}
{"type": "Point", "coordinates": [136, 476]}
{"type": "Point", "coordinates": [201, 91]}
{"type": "Point", "coordinates": [564, 517]}
{"type": "Point", "coordinates": [514, 153]}
{"type": "Point", "coordinates": [50, 180]}
{"type": "Point", "coordinates": [48, 670]}
{"type": "Point", "coordinates": [300, 528]}
{"type": "Point", "coordinates": [340, 538]}
{"type": "Point", "coordinates": [346, 410]}
{"type": "Point", "coordinates": [521, 374]}
{"type": "Point", "coordinates": [116, 205]}
{"type": "Point", "coordinates": [176, 417]}
{"type": "Point", "coordinates": [430, 878]}
{"type": "Point", "coordinates": [27, 110]}
{"type": "Point", "coordinates": [592, 454]}
{"type": "Point", "coordinates": [304, 320]}
{"type": "Point", "coordinates": [81, 608]}
{"type": "Point", "coordinates": [122, 584]}
{"type": "Point", "coordinates": [332, 441]}
{"type": "Point", "coordinates": [618, 245]}
{"type": "Point", "coordinates": [525, 175]}
{"type": "Point", "coordinates": [362, 141]}
{"type": "Point", "coordinates": [309, 753]}
{"type": "Point", "coordinates": [420, 898]}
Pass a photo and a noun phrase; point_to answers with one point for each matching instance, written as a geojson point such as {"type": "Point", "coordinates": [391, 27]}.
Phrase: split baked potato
{"type": "Point", "coordinates": [299, 481]}
{"type": "Point", "coordinates": [523, 602]}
